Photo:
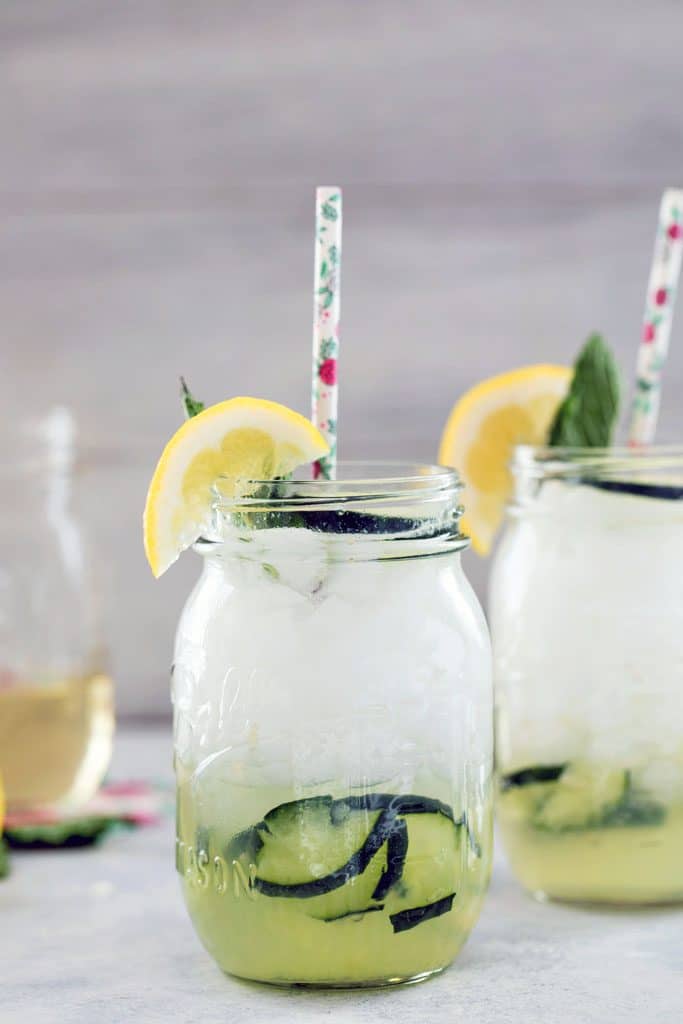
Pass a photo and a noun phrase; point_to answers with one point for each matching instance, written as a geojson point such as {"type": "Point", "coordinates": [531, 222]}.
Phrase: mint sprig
{"type": "Point", "coordinates": [191, 405]}
{"type": "Point", "coordinates": [587, 416]}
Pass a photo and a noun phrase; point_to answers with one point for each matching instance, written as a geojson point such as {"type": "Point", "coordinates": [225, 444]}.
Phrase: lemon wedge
{"type": "Point", "coordinates": [483, 428]}
{"type": "Point", "coordinates": [241, 440]}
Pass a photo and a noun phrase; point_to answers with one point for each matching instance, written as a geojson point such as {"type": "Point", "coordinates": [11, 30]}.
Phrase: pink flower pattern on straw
{"type": "Point", "coordinates": [659, 308]}
{"type": "Point", "coordinates": [326, 305]}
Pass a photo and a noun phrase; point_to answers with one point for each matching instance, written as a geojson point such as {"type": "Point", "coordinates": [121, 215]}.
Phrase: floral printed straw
{"type": "Point", "coordinates": [328, 230]}
{"type": "Point", "coordinates": [659, 308]}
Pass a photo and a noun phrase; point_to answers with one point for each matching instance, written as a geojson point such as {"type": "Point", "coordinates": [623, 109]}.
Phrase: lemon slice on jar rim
{"type": "Point", "coordinates": [483, 428]}
{"type": "Point", "coordinates": [239, 440]}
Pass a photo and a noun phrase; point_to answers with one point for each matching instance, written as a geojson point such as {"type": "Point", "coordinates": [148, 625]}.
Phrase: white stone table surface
{"type": "Point", "coordinates": [100, 936]}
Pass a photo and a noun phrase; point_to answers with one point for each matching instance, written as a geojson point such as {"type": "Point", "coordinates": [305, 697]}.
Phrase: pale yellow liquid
{"type": "Point", "coordinates": [633, 864]}
{"type": "Point", "coordinates": [277, 940]}
{"type": "Point", "coordinates": [55, 740]}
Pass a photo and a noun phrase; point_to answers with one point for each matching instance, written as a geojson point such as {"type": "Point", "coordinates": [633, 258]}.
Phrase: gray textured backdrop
{"type": "Point", "coordinates": [502, 164]}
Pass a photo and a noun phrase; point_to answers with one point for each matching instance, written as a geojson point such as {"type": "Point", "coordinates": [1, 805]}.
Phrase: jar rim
{"type": "Point", "coordinates": [655, 471]}
{"type": "Point", "coordinates": [357, 482]}
{"type": "Point", "coordinates": [544, 459]}
{"type": "Point", "coordinates": [412, 508]}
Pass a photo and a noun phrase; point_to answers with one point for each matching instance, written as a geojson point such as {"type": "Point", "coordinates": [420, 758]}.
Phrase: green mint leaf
{"type": "Point", "coordinates": [587, 416]}
{"type": "Point", "coordinates": [191, 406]}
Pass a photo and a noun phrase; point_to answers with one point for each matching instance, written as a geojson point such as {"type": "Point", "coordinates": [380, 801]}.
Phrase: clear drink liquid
{"type": "Point", "coordinates": [55, 740]}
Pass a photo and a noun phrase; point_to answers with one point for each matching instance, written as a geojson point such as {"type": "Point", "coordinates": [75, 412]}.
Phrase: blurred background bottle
{"type": "Point", "coordinates": [56, 700]}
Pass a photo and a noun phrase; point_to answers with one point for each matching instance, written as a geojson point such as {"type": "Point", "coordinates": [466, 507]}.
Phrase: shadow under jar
{"type": "Point", "coordinates": [56, 699]}
{"type": "Point", "coordinates": [586, 607]}
{"type": "Point", "coordinates": [333, 732]}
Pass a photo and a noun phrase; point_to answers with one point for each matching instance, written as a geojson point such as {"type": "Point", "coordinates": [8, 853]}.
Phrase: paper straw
{"type": "Point", "coordinates": [328, 232]}
{"type": "Point", "coordinates": [659, 309]}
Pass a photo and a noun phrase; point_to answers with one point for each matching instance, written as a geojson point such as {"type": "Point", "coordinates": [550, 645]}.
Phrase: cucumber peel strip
{"type": "Point", "coordinates": [404, 920]}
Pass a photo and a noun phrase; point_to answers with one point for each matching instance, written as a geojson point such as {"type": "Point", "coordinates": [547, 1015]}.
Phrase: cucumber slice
{"type": "Point", "coordinates": [309, 850]}
{"type": "Point", "coordinates": [313, 846]}
{"type": "Point", "coordinates": [355, 865]}
{"type": "Point", "coordinates": [357, 855]}
{"type": "Point", "coordinates": [421, 862]}
{"type": "Point", "coordinates": [433, 863]}
{"type": "Point", "coordinates": [328, 855]}
{"type": "Point", "coordinates": [582, 797]}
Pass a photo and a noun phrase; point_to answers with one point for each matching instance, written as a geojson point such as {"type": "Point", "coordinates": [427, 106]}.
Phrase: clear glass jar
{"type": "Point", "coordinates": [333, 732]}
{"type": "Point", "coordinates": [586, 615]}
{"type": "Point", "coordinates": [56, 709]}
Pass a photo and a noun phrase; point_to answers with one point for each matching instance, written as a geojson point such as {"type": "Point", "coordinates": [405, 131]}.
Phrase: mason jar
{"type": "Point", "coordinates": [586, 612]}
{"type": "Point", "coordinates": [56, 707]}
{"type": "Point", "coordinates": [333, 731]}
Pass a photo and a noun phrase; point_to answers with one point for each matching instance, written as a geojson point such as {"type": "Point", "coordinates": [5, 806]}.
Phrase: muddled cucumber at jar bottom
{"type": "Point", "coordinates": [352, 889]}
{"type": "Point", "coordinates": [568, 797]}
{"type": "Point", "coordinates": [591, 832]}
{"type": "Point", "coordinates": [345, 856]}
